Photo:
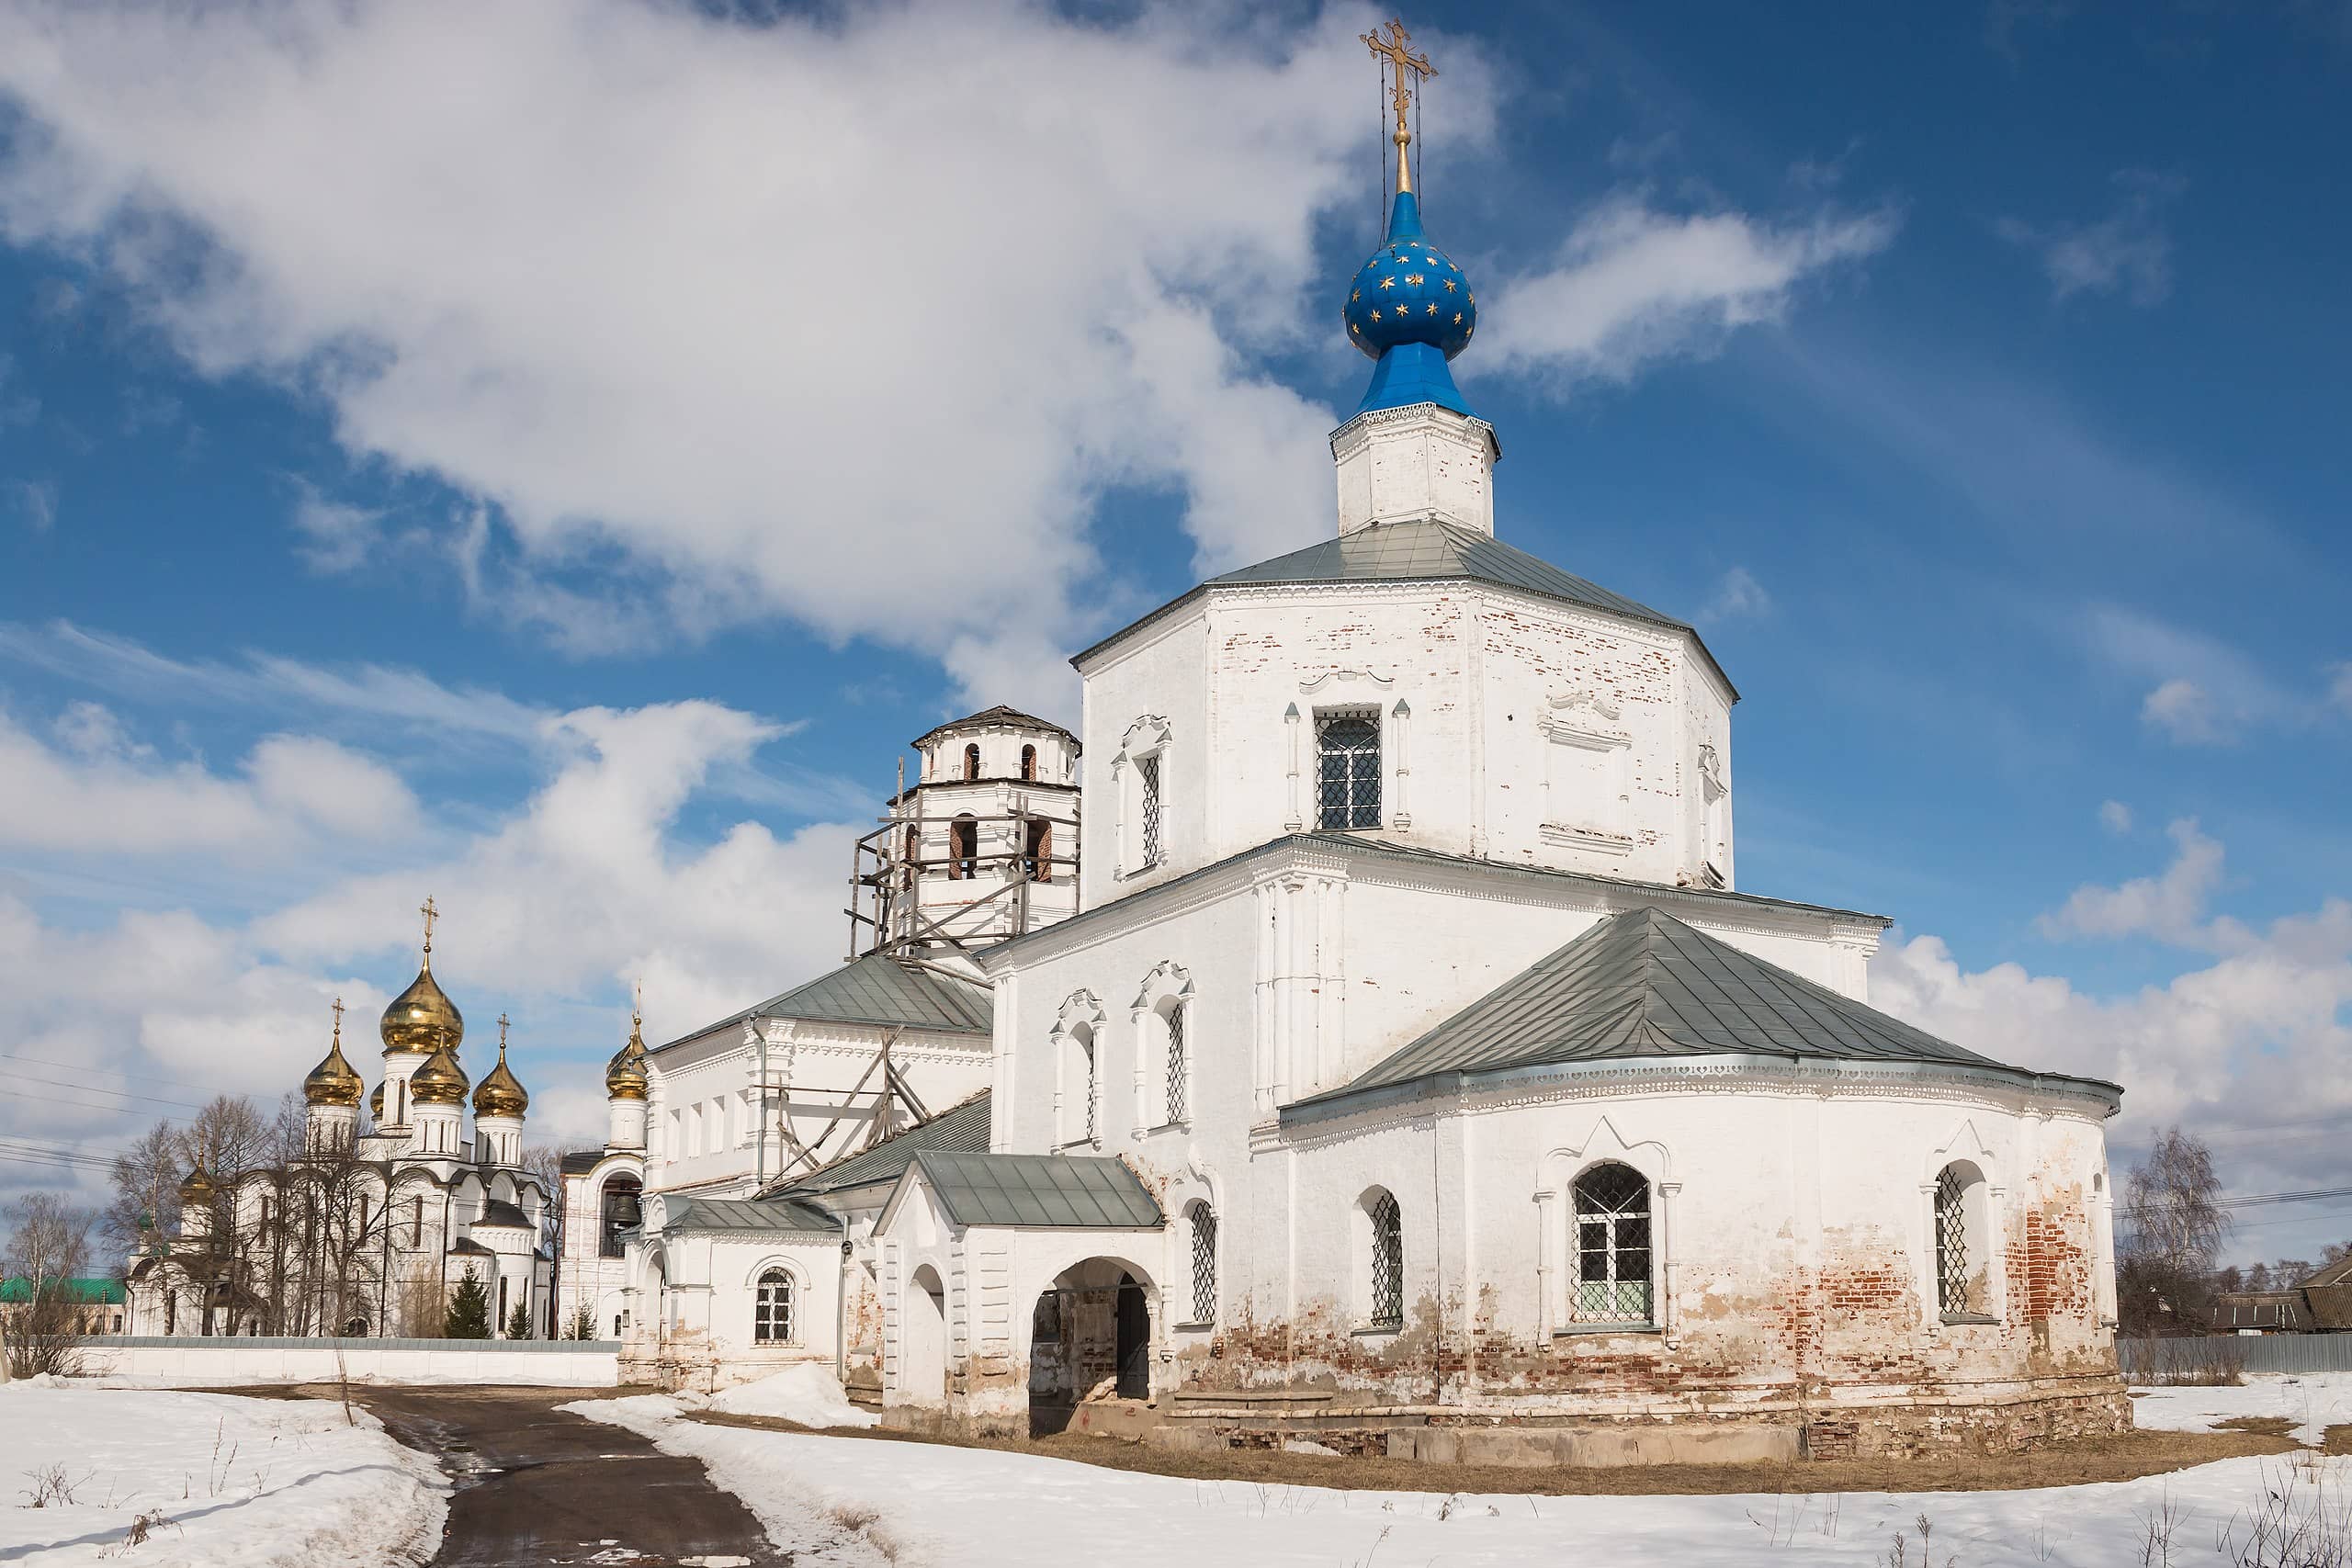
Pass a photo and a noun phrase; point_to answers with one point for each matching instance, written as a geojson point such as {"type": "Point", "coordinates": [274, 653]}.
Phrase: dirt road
{"type": "Point", "coordinates": [537, 1486]}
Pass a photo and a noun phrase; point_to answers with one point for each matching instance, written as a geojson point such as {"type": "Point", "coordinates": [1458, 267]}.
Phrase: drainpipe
{"type": "Point", "coordinates": [840, 1305]}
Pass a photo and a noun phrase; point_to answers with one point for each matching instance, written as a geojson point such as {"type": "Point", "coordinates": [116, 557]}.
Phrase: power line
{"type": "Point", "coordinates": [73, 1066]}
{"type": "Point", "coordinates": [99, 1089]}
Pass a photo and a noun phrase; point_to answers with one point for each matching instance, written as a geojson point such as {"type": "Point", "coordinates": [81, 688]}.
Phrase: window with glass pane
{"type": "Point", "coordinates": [1951, 1244]}
{"type": "Point", "coordinates": [1147, 783]}
{"type": "Point", "coordinates": [1348, 782]}
{"type": "Point", "coordinates": [1613, 1241]}
{"type": "Point", "coordinates": [771, 1311]}
{"type": "Point", "coordinates": [1387, 1263]}
{"type": "Point", "coordinates": [1175, 1065]}
{"type": "Point", "coordinates": [1204, 1264]}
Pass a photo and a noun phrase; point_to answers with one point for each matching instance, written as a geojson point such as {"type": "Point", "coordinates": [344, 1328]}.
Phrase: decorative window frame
{"type": "Point", "coordinates": [1362, 1267]}
{"type": "Point", "coordinates": [1587, 720]}
{"type": "Point", "coordinates": [1081, 1010]}
{"type": "Point", "coordinates": [799, 1337]}
{"type": "Point", "coordinates": [1559, 1172]}
{"type": "Point", "coordinates": [1148, 738]}
{"type": "Point", "coordinates": [1167, 987]}
{"type": "Point", "coordinates": [1982, 1195]}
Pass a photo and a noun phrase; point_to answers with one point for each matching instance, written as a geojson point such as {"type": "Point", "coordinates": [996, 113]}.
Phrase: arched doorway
{"type": "Point", "coordinates": [1090, 1341]}
{"type": "Point", "coordinates": [923, 1339]}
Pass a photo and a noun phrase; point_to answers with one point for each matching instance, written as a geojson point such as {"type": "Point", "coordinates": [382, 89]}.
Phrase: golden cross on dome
{"type": "Point", "coordinates": [501, 1034]}
{"type": "Point", "coordinates": [637, 1009]}
{"type": "Point", "coordinates": [338, 1019]}
{"type": "Point", "coordinates": [1397, 49]}
{"type": "Point", "coordinates": [431, 915]}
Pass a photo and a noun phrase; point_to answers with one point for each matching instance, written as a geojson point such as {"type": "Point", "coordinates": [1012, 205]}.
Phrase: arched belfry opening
{"type": "Point", "coordinates": [1090, 1341]}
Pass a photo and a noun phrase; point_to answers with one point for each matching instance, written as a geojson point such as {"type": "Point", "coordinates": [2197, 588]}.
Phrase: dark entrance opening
{"type": "Point", "coordinates": [1135, 1341]}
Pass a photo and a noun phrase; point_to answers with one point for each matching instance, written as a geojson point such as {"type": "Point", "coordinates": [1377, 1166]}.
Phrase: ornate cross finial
{"type": "Point", "coordinates": [1401, 58]}
{"type": "Point", "coordinates": [431, 915]}
{"type": "Point", "coordinates": [502, 1036]}
{"type": "Point", "coordinates": [338, 1020]}
{"type": "Point", "coordinates": [637, 1008]}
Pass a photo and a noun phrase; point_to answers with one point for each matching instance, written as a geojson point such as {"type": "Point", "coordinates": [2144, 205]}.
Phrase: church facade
{"type": "Point", "coordinates": [370, 1229]}
{"type": "Point", "coordinates": [1409, 1071]}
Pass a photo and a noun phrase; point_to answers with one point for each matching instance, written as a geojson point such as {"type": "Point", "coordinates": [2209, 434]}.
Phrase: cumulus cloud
{"type": "Point", "coordinates": [2169, 907]}
{"type": "Point", "coordinates": [2206, 693]}
{"type": "Point", "coordinates": [2128, 251]}
{"type": "Point", "coordinates": [1633, 284]}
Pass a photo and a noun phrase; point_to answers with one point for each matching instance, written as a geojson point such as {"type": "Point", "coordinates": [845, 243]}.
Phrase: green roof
{"type": "Point", "coordinates": [1644, 983]}
{"type": "Point", "coordinates": [1428, 552]}
{"type": "Point", "coordinates": [878, 990]}
{"type": "Point", "coordinates": [962, 1129]}
{"type": "Point", "coordinates": [744, 1214]}
{"type": "Point", "coordinates": [1080, 1191]}
{"type": "Point", "coordinates": [89, 1292]}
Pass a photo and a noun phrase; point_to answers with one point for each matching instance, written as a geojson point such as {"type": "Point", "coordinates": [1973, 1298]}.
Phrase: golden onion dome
{"type": "Point", "coordinates": [197, 1187]}
{"type": "Point", "coordinates": [333, 1082]}
{"type": "Point", "coordinates": [501, 1094]}
{"type": "Point", "coordinates": [625, 1074]}
{"type": "Point", "coordinates": [440, 1081]}
{"type": "Point", "coordinates": [376, 1104]}
{"type": "Point", "coordinates": [422, 1018]}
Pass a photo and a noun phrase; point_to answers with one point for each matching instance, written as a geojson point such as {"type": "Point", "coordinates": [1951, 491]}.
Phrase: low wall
{"type": "Point", "coordinates": [556, 1363]}
{"type": "Point", "coordinates": [2162, 1359]}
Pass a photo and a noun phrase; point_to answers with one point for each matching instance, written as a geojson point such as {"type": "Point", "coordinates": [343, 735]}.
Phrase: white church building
{"type": "Point", "coordinates": [1405, 1067]}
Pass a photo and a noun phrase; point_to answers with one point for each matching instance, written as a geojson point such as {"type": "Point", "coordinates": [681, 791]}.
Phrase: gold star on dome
{"type": "Point", "coordinates": [1413, 280]}
{"type": "Point", "coordinates": [1449, 286]}
{"type": "Point", "coordinates": [1355, 329]}
{"type": "Point", "coordinates": [1432, 307]}
{"type": "Point", "coordinates": [1389, 283]}
{"type": "Point", "coordinates": [1473, 298]}
{"type": "Point", "coordinates": [1457, 318]}
{"type": "Point", "coordinates": [1375, 314]}
{"type": "Point", "coordinates": [1431, 260]}
{"type": "Point", "coordinates": [1358, 294]}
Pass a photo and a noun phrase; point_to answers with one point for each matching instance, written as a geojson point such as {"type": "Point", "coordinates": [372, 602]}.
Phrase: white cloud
{"type": "Point", "coordinates": [1633, 284]}
{"type": "Point", "coordinates": [2127, 251]}
{"type": "Point", "coordinates": [1737, 595]}
{"type": "Point", "coordinates": [2115, 817]}
{"type": "Point", "coordinates": [2170, 907]}
{"type": "Point", "coordinates": [33, 501]}
{"type": "Point", "coordinates": [2206, 693]}
{"type": "Point", "coordinates": [335, 536]}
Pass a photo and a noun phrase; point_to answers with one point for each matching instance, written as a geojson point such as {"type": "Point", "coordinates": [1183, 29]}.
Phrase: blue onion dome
{"type": "Point", "coordinates": [1410, 309]}
{"type": "Point", "coordinates": [1409, 292]}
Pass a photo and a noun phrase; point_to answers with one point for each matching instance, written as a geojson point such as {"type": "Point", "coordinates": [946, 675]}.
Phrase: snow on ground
{"type": "Point", "coordinates": [807, 1393]}
{"type": "Point", "coordinates": [936, 1504]}
{"type": "Point", "coordinates": [248, 1483]}
{"type": "Point", "coordinates": [2312, 1400]}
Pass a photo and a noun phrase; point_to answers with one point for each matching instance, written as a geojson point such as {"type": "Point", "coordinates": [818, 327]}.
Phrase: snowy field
{"type": "Point", "coordinates": [853, 1504]}
{"type": "Point", "coordinates": [248, 1483]}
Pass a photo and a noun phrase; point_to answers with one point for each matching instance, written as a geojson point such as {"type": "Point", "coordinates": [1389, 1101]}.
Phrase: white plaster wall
{"type": "Point", "coordinates": [709, 1284]}
{"type": "Point", "coordinates": [1158, 672]}
{"type": "Point", "coordinates": [1403, 465]}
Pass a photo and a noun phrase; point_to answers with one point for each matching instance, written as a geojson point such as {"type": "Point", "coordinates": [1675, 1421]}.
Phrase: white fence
{"type": "Point", "coordinates": [191, 1360]}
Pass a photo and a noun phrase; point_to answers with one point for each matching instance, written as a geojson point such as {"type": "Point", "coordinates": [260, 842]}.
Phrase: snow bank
{"type": "Point", "coordinates": [2314, 1401]}
{"type": "Point", "coordinates": [228, 1481]}
{"type": "Point", "coordinates": [807, 1393]}
{"type": "Point", "coordinates": [939, 1505]}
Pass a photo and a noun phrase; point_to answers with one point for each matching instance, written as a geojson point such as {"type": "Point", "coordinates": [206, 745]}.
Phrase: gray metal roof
{"type": "Point", "coordinates": [962, 1129]}
{"type": "Point", "coordinates": [745, 1214]}
{"type": "Point", "coordinates": [878, 990]}
{"type": "Point", "coordinates": [1426, 551]}
{"type": "Point", "coordinates": [1644, 983]}
{"type": "Point", "coordinates": [997, 714]}
{"type": "Point", "coordinates": [499, 1211]}
{"type": "Point", "coordinates": [1083, 1191]}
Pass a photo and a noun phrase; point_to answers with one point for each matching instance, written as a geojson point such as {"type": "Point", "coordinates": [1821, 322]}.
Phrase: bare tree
{"type": "Point", "coordinates": [49, 1250]}
{"type": "Point", "coordinates": [2173, 1228]}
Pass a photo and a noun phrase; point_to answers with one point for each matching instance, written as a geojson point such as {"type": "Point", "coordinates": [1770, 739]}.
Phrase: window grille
{"type": "Point", "coordinates": [1092, 1134]}
{"type": "Point", "coordinates": [1176, 1068]}
{"type": "Point", "coordinates": [1204, 1264]}
{"type": "Point", "coordinates": [1951, 1244]}
{"type": "Point", "coordinates": [772, 1313]}
{"type": "Point", "coordinates": [1347, 746]}
{"type": "Point", "coordinates": [1613, 1220]}
{"type": "Point", "coordinates": [1387, 1263]}
{"type": "Point", "coordinates": [1148, 780]}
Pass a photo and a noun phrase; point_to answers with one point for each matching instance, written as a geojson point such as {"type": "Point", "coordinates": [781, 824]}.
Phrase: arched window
{"type": "Point", "coordinates": [962, 848]}
{"type": "Point", "coordinates": [1963, 1250]}
{"type": "Point", "coordinates": [1386, 1230]}
{"type": "Point", "coordinates": [1078, 1085]}
{"type": "Point", "coordinates": [1347, 747]}
{"type": "Point", "coordinates": [1179, 1067]}
{"type": "Point", "coordinates": [1148, 808]}
{"type": "Point", "coordinates": [971, 762]}
{"type": "Point", "coordinates": [911, 856]}
{"type": "Point", "coordinates": [1029, 761]}
{"type": "Point", "coordinates": [1613, 1246]}
{"type": "Point", "coordinates": [772, 1313]}
{"type": "Point", "coordinates": [1203, 1220]}
{"type": "Point", "coordinates": [1038, 857]}
{"type": "Point", "coordinates": [620, 1212]}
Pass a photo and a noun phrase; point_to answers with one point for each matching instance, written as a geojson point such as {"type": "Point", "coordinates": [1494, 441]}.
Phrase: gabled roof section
{"type": "Point", "coordinates": [1431, 551]}
{"type": "Point", "coordinates": [1644, 983]}
{"type": "Point", "coordinates": [997, 714]}
{"type": "Point", "coordinates": [880, 991]}
{"type": "Point", "coordinates": [1063, 1191]}
{"type": "Point", "coordinates": [962, 1129]}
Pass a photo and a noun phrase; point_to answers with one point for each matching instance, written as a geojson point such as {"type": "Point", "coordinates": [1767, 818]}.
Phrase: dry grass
{"type": "Point", "coordinates": [2264, 1426]}
{"type": "Point", "coordinates": [2124, 1458]}
{"type": "Point", "coordinates": [2336, 1439]}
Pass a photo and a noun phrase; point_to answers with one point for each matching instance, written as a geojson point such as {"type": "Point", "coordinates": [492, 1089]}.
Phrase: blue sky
{"type": "Point", "coordinates": [561, 477]}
